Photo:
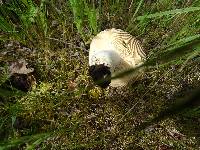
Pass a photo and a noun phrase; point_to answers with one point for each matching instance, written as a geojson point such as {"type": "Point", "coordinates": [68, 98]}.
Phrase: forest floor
{"type": "Point", "coordinates": [65, 110]}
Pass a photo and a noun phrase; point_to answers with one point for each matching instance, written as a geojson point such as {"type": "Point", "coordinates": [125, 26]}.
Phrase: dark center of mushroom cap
{"type": "Point", "coordinates": [100, 74]}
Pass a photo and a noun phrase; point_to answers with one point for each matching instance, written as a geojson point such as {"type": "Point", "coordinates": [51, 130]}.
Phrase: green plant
{"type": "Point", "coordinates": [26, 23]}
{"type": "Point", "coordinates": [84, 15]}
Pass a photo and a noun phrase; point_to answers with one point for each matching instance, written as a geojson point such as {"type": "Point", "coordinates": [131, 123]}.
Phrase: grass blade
{"type": "Point", "coordinates": [136, 11]}
{"type": "Point", "coordinates": [38, 138]}
{"type": "Point", "coordinates": [179, 106]}
{"type": "Point", "coordinates": [171, 12]}
{"type": "Point", "coordinates": [168, 55]}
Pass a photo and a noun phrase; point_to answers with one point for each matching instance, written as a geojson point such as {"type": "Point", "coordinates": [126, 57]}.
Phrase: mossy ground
{"type": "Point", "coordinates": [66, 103]}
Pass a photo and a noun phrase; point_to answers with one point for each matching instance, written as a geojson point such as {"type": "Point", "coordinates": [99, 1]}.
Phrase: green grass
{"type": "Point", "coordinates": [65, 110]}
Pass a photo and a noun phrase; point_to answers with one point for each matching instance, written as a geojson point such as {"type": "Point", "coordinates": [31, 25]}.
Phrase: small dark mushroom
{"type": "Point", "coordinates": [23, 82]}
{"type": "Point", "coordinates": [21, 76]}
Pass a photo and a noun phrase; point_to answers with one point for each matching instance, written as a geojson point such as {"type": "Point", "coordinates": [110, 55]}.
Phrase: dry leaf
{"type": "Point", "coordinates": [19, 67]}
